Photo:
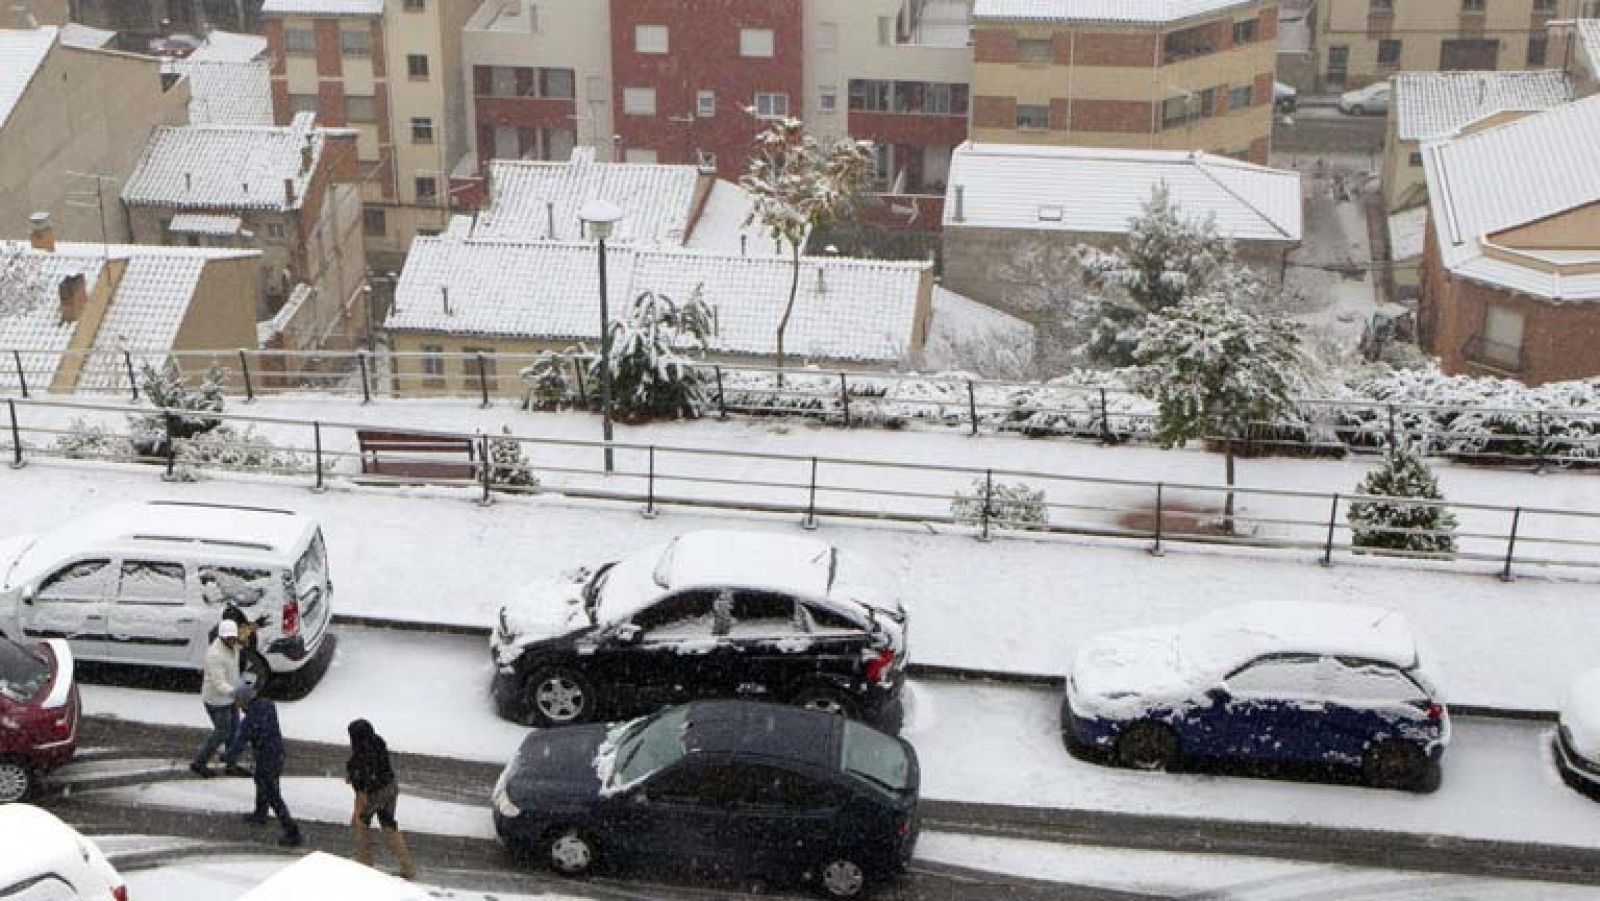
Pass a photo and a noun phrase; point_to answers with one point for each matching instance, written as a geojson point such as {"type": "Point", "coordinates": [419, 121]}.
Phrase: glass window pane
{"type": "Point", "coordinates": [149, 580]}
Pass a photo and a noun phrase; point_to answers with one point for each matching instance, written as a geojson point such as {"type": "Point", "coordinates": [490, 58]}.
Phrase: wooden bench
{"type": "Point", "coordinates": [413, 455]}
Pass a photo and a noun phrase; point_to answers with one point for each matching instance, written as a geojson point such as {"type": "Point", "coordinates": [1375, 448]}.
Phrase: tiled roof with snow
{"type": "Point", "coordinates": [1432, 105]}
{"type": "Point", "coordinates": [322, 8]}
{"type": "Point", "coordinates": [857, 310]}
{"type": "Point", "coordinates": [212, 167]}
{"type": "Point", "coordinates": [38, 332]}
{"type": "Point", "coordinates": [1512, 175]}
{"type": "Point", "coordinates": [204, 224]}
{"type": "Point", "coordinates": [527, 198]}
{"type": "Point", "coordinates": [721, 226]}
{"type": "Point", "coordinates": [1096, 190]}
{"type": "Point", "coordinates": [230, 47]}
{"type": "Point", "coordinates": [1120, 11]}
{"type": "Point", "coordinates": [22, 52]}
{"type": "Point", "coordinates": [228, 93]}
{"type": "Point", "coordinates": [76, 34]}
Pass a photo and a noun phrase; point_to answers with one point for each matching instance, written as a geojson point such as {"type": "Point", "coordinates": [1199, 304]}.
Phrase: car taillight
{"type": "Point", "coordinates": [880, 665]}
{"type": "Point", "coordinates": [120, 893]}
{"type": "Point", "coordinates": [291, 619]}
{"type": "Point", "coordinates": [1435, 712]}
{"type": "Point", "coordinates": [905, 827]}
{"type": "Point", "coordinates": [61, 726]}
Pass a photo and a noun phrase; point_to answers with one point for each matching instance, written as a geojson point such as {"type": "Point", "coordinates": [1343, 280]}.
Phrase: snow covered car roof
{"type": "Point", "coordinates": [1580, 714]}
{"type": "Point", "coordinates": [792, 564]}
{"type": "Point", "coordinates": [37, 842]}
{"type": "Point", "coordinates": [1220, 642]}
{"type": "Point", "coordinates": [322, 875]}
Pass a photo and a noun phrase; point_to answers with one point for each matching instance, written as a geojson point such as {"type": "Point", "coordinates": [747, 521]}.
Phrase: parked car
{"type": "Point", "coordinates": [730, 786]}
{"type": "Point", "coordinates": [708, 614]}
{"type": "Point", "coordinates": [48, 860]}
{"type": "Point", "coordinates": [147, 583]}
{"type": "Point", "coordinates": [1279, 683]}
{"type": "Point", "coordinates": [39, 711]}
{"type": "Point", "coordinates": [1372, 100]}
{"type": "Point", "coordinates": [1577, 742]}
{"type": "Point", "coordinates": [1284, 97]}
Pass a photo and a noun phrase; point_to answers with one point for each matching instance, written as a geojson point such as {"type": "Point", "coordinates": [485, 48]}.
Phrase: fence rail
{"type": "Point", "coordinates": [1536, 438]}
{"type": "Point", "coordinates": [1497, 538]}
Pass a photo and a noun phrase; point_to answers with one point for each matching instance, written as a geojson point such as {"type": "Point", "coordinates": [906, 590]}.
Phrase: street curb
{"type": "Point", "coordinates": [928, 671]}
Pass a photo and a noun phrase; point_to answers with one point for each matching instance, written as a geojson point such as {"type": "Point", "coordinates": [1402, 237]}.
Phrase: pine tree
{"type": "Point", "coordinates": [166, 388]}
{"type": "Point", "coordinates": [1214, 370]}
{"type": "Point", "coordinates": [650, 374]}
{"type": "Point", "coordinates": [1387, 523]}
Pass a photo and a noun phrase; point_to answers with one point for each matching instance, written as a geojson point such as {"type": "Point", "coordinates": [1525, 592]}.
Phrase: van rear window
{"type": "Point", "coordinates": [240, 586]}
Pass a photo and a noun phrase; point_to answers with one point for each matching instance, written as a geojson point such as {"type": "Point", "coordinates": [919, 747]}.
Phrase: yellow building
{"type": "Point", "coordinates": [1357, 42]}
{"type": "Point", "coordinates": [1128, 74]}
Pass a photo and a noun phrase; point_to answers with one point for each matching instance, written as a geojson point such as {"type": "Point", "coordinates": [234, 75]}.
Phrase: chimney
{"type": "Point", "coordinates": [822, 285]}
{"type": "Point", "coordinates": [305, 155]}
{"type": "Point", "coordinates": [288, 193]}
{"type": "Point", "coordinates": [40, 232]}
{"type": "Point", "coordinates": [188, 181]}
{"type": "Point", "coordinates": [444, 295]}
{"type": "Point", "coordinates": [74, 292]}
{"type": "Point", "coordinates": [550, 220]}
{"type": "Point", "coordinates": [961, 204]}
{"type": "Point", "coordinates": [742, 240]}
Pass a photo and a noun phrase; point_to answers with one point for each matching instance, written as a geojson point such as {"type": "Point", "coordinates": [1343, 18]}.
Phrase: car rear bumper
{"type": "Point", "coordinates": [1086, 733]}
{"type": "Point", "coordinates": [1575, 769]}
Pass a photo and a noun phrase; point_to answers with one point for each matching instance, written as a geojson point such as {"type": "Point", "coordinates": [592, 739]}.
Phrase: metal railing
{"type": "Point", "coordinates": [1536, 438]}
{"type": "Point", "coordinates": [813, 488]}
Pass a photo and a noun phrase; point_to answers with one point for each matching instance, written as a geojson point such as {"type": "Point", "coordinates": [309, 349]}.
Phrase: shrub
{"type": "Point", "coordinates": [1382, 523]}
{"type": "Point", "coordinates": [225, 448]}
{"type": "Point", "coordinates": [1012, 505]}
{"type": "Point", "coordinates": [508, 465]}
{"type": "Point", "coordinates": [87, 441]}
{"type": "Point", "coordinates": [548, 380]}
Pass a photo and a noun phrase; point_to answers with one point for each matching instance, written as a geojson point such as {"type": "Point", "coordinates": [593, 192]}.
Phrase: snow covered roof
{"type": "Point", "coordinates": [721, 227]}
{"type": "Point", "coordinates": [1513, 175]}
{"type": "Point", "coordinates": [216, 167]}
{"type": "Point", "coordinates": [204, 224]}
{"type": "Point", "coordinates": [1432, 105]}
{"type": "Point", "coordinates": [322, 8]}
{"type": "Point", "coordinates": [774, 561]}
{"type": "Point", "coordinates": [22, 52]}
{"type": "Point", "coordinates": [228, 93]}
{"type": "Point", "coordinates": [539, 201]}
{"type": "Point", "coordinates": [857, 310]}
{"type": "Point", "coordinates": [38, 842]}
{"type": "Point", "coordinates": [1223, 640]}
{"type": "Point", "coordinates": [1120, 11]}
{"type": "Point", "coordinates": [322, 875]}
{"type": "Point", "coordinates": [229, 47]}
{"type": "Point", "coordinates": [1407, 233]}
{"type": "Point", "coordinates": [76, 34]}
{"type": "Point", "coordinates": [1084, 189]}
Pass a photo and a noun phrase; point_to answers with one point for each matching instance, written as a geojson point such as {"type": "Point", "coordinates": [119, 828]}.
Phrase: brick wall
{"type": "Point", "coordinates": [991, 45]}
{"type": "Point", "coordinates": [922, 131]}
{"type": "Point", "coordinates": [994, 112]}
{"type": "Point", "coordinates": [1114, 49]}
{"type": "Point", "coordinates": [1118, 116]}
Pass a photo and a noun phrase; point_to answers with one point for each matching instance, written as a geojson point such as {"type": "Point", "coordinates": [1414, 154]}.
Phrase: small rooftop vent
{"type": "Point", "coordinates": [1050, 213]}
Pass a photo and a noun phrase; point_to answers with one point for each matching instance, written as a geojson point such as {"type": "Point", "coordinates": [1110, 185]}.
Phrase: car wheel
{"type": "Point", "coordinates": [16, 780]}
{"type": "Point", "coordinates": [558, 696]}
{"type": "Point", "coordinates": [1399, 765]}
{"type": "Point", "coordinates": [1358, 110]}
{"type": "Point", "coordinates": [827, 699]}
{"type": "Point", "coordinates": [251, 662]}
{"type": "Point", "coordinates": [842, 877]}
{"type": "Point", "coordinates": [570, 853]}
{"type": "Point", "coordinates": [1148, 746]}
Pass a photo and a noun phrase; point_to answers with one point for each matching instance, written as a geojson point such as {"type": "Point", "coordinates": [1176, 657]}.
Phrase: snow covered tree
{"type": "Point", "coordinates": [1385, 524]}
{"type": "Point", "coordinates": [1213, 370]}
{"type": "Point", "coordinates": [508, 464]}
{"type": "Point", "coordinates": [650, 374]}
{"type": "Point", "coordinates": [799, 185]}
{"type": "Point", "coordinates": [22, 281]}
{"type": "Point", "coordinates": [1008, 505]}
{"type": "Point", "coordinates": [548, 385]}
{"type": "Point", "coordinates": [166, 388]}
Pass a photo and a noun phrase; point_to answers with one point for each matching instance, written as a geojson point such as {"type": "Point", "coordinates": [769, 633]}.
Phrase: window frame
{"type": "Point", "coordinates": [421, 128]}
{"type": "Point", "coordinates": [757, 43]}
{"type": "Point", "coordinates": [164, 600]}
{"type": "Point", "coordinates": [631, 105]}
{"type": "Point", "coordinates": [365, 39]}
{"type": "Point", "coordinates": [416, 72]}
{"type": "Point", "coordinates": [770, 99]}
{"type": "Point", "coordinates": [1029, 125]}
{"type": "Point", "coordinates": [705, 104]}
{"type": "Point", "coordinates": [299, 41]}
{"type": "Point", "coordinates": [651, 47]}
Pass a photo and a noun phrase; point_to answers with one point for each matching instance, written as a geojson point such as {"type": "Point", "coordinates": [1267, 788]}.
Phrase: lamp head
{"type": "Point", "coordinates": [600, 217]}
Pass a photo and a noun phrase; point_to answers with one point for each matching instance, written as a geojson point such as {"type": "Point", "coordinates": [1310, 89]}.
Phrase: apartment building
{"type": "Point", "coordinates": [1357, 42]}
{"type": "Point", "coordinates": [1582, 52]}
{"type": "Point", "coordinates": [150, 18]}
{"type": "Point", "coordinates": [1146, 74]}
{"type": "Point", "coordinates": [392, 70]}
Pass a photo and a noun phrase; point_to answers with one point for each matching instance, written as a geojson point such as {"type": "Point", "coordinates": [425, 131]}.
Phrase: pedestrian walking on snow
{"type": "Point", "coordinates": [217, 689]}
{"type": "Point", "coordinates": [371, 775]}
{"type": "Point", "coordinates": [260, 731]}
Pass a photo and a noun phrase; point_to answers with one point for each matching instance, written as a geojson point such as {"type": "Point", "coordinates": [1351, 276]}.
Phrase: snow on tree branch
{"type": "Point", "coordinates": [22, 281]}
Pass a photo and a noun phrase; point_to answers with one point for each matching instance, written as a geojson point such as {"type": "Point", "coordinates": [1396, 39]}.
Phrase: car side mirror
{"type": "Point", "coordinates": [28, 594]}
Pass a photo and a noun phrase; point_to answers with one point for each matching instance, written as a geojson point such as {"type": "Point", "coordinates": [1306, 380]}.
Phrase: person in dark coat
{"type": "Point", "coordinates": [260, 731]}
{"type": "Point", "coordinates": [371, 775]}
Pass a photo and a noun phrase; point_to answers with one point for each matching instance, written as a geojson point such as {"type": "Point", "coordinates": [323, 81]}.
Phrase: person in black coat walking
{"type": "Point", "coordinates": [260, 731]}
{"type": "Point", "coordinates": [371, 775]}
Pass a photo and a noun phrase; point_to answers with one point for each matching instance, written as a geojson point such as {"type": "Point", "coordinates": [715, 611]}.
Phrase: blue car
{"type": "Point", "coordinates": [1280, 683]}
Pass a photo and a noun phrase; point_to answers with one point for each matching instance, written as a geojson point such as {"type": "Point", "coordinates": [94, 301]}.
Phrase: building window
{"type": "Point", "coordinates": [1244, 32]}
{"type": "Point", "coordinates": [417, 66]}
{"type": "Point", "coordinates": [422, 130]}
{"type": "Point", "coordinates": [645, 155]}
{"type": "Point", "coordinates": [1033, 118]}
{"type": "Point", "coordinates": [827, 35]}
{"type": "Point", "coordinates": [1035, 51]}
{"type": "Point", "coordinates": [1537, 48]}
{"type": "Point", "coordinates": [649, 39]}
{"type": "Point", "coordinates": [274, 231]}
{"type": "Point", "coordinates": [360, 108]}
{"type": "Point", "coordinates": [926, 98]}
{"type": "Point", "coordinates": [1501, 342]}
{"type": "Point", "coordinates": [1239, 98]}
{"type": "Point", "coordinates": [415, 6]}
{"type": "Point", "coordinates": [427, 188]}
{"type": "Point", "coordinates": [557, 83]}
{"type": "Point", "coordinates": [299, 42]}
{"type": "Point", "coordinates": [1544, 7]}
{"type": "Point", "coordinates": [355, 43]}
{"type": "Point", "coordinates": [1381, 8]}
{"type": "Point", "coordinates": [303, 103]}
{"type": "Point", "coordinates": [1389, 52]}
{"type": "Point", "coordinates": [755, 42]}
{"type": "Point", "coordinates": [639, 101]}
{"type": "Point", "coordinates": [1187, 44]}
{"type": "Point", "coordinates": [1208, 102]}
{"type": "Point", "coordinates": [432, 366]}
{"type": "Point", "coordinates": [827, 99]}
{"type": "Point", "coordinates": [705, 104]}
{"type": "Point", "coordinates": [1416, 159]}
{"type": "Point", "coordinates": [1473, 6]}
{"type": "Point", "coordinates": [374, 221]}
{"type": "Point", "coordinates": [1338, 62]}
{"type": "Point", "coordinates": [1179, 111]}
{"type": "Point", "coordinates": [772, 105]}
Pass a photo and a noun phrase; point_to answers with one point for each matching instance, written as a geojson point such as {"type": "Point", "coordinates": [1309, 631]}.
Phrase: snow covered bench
{"type": "Point", "coordinates": [415, 455]}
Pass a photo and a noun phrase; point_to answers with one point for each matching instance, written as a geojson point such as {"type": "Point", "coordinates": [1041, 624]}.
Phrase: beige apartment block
{"type": "Point", "coordinates": [1064, 73]}
{"type": "Point", "coordinates": [1357, 42]}
{"type": "Point", "coordinates": [75, 110]}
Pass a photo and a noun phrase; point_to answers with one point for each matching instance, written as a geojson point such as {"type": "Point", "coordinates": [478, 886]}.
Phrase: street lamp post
{"type": "Point", "coordinates": [600, 217]}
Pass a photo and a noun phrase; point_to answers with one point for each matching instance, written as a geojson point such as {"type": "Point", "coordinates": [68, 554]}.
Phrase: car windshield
{"type": "Point", "coordinates": [23, 673]}
{"type": "Point", "coordinates": [875, 757]}
{"type": "Point", "coordinates": [654, 743]}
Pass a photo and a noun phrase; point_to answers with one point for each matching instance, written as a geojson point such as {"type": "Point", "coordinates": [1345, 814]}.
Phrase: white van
{"type": "Point", "coordinates": [147, 584]}
{"type": "Point", "coordinates": [47, 860]}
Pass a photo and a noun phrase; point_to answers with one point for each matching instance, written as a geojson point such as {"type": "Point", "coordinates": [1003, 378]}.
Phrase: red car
{"type": "Point", "coordinates": [39, 712]}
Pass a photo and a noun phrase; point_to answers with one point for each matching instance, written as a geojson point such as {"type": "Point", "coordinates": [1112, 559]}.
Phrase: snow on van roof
{"type": "Point", "coordinates": [773, 561]}
{"type": "Point", "coordinates": [322, 875]}
{"type": "Point", "coordinates": [260, 530]}
{"type": "Point", "coordinates": [35, 841]}
{"type": "Point", "coordinates": [1223, 640]}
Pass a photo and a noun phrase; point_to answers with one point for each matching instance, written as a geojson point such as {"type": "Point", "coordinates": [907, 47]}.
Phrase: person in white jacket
{"type": "Point", "coordinates": [217, 690]}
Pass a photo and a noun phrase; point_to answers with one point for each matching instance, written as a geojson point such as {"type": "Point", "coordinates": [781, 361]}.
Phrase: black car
{"type": "Point", "coordinates": [712, 614]}
{"type": "Point", "coordinates": [732, 787]}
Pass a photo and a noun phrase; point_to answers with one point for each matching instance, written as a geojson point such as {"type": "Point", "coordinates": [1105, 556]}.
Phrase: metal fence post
{"type": "Point", "coordinates": [972, 406]}
{"type": "Point", "coordinates": [22, 377]}
{"type": "Point", "coordinates": [722, 399]}
{"type": "Point", "coordinates": [133, 383]}
{"type": "Point", "coordinates": [484, 467]}
{"type": "Point", "coordinates": [366, 388]}
{"type": "Point", "coordinates": [1539, 447]}
{"type": "Point", "coordinates": [483, 380]}
{"type": "Point", "coordinates": [577, 372]}
{"type": "Point", "coordinates": [844, 397]}
{"type": "Point", "coordinates": [16, 436]}
{"type": "Point", "coordinates": [1105, 419]}
{"type": "Point", "coordinates": [1155, 549]}
{"type": "Point", "coordinates": [1333, 518]}
{"type": "Point", "coordinates": [1390, 433]}
{"type": "Point", "coordinates": [650, 487]}
{"type": "Point", "coordinates": [988, 502]}
{"type": "Point", "coordinates": [244, 367]}
{"type": "Point", "coordinates": [1511, 544]}
{"type": "Point", "coordinates": [810, 522]}
{"type": "Point", "coordinates": [316, 434]}
{"type": "Point", "coordinates": [172, 447]}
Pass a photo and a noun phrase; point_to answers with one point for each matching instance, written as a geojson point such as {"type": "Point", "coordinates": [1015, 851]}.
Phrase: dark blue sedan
{"type": "Point", "coordinates": [1282, 683]}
